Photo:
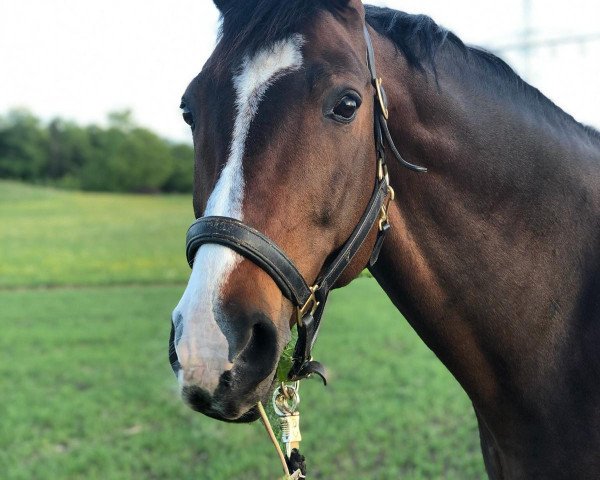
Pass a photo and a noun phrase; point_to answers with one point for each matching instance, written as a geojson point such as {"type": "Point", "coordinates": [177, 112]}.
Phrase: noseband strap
{"type": "Point", "coordinates": [253, 245]}
{"type": "Point", "coordinates": [262, 251]}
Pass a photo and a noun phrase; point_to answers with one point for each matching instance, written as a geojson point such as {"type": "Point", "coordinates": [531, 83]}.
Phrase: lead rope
{"type": "Point", "coordinates": [265, 420]}
{"type": "Point", "coordinates": [285, 404]}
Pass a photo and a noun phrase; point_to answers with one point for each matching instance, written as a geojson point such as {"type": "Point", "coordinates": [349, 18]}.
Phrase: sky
{"type": "Point", "coordinates": [82, 59]}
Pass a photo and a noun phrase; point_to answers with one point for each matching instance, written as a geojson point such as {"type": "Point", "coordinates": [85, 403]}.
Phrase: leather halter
{"type": "Point", "coordinates": [258, 248]}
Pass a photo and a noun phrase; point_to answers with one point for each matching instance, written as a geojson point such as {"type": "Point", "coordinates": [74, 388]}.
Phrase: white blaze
{"type": "Point", "coordinates": [203, 349]}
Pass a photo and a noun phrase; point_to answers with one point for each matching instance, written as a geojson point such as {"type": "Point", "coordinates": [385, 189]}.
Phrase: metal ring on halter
{"type": "Point", "coordinates": [283, 405]}
{"type": "Point", "coordinates": [283, 388]}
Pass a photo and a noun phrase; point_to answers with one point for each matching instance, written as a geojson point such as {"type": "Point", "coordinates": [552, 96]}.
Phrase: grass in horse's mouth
{"type": "Point", "coordinates": [285, 361]}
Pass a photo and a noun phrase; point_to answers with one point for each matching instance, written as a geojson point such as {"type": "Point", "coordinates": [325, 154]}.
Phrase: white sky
{"type": "Point", "coordinates": [80, 59]}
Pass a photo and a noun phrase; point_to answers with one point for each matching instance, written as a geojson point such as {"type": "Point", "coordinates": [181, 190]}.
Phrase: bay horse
{"type": "Point", "coordinates": [493, 253]}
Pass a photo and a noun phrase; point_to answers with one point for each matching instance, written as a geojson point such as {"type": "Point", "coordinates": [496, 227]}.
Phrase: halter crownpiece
{"type": "Point", "coordinates": [310, 301]}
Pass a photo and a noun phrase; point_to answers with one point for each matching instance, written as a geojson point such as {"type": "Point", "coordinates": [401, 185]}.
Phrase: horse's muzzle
{"type": "Point", "coordinates": [253, 353]}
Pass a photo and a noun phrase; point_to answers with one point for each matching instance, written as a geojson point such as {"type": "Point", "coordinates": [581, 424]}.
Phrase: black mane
{"type": "Point", "coordinates": [249, 25]}
{"type": "Point", "coordinates": [419, 38]}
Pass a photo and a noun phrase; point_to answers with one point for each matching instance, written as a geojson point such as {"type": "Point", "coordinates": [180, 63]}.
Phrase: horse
{"type": "Point", "coordinates": [492, 255]}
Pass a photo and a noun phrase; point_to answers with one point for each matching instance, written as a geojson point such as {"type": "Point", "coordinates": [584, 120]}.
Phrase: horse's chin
{"type": "Point", "coordinates": [247, 417]}
{"type": "Point", "coordinates": [225, 406]}
{"type": "Point", "coordinates": [226, 412]}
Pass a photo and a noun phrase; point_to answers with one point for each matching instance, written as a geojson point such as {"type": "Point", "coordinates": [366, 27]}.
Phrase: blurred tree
{"type": "Point", "coordinates": [69, 149]}
{"type": "Point", "coordinates": [123, 157]}
{"type": "Point", "coordinates": [23, 146]}
{"type": "Point", "coordinates": [181, 178]}
{"type": "Point", "coordinates": [142, 162]}
{"type": "Point", "coordinates": [95, 173]}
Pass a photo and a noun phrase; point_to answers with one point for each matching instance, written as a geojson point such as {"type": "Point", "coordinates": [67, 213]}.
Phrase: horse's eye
{"type": "Point", "coordinates": [346, 108]}
{"type": "Point", "coordinates": [187, 115]}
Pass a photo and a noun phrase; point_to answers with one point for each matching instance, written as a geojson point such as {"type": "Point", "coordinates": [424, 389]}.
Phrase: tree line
{"type": "Point", "coordinates": [121, 157]}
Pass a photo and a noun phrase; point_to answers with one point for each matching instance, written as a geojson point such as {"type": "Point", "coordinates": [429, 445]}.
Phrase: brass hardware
{"type": "Point", "coordinates": [290, 432]}
{"type": "Point", "coordinates": [383, 216]}
{"type": "Point", "coordinates": [382, 171]}
{"type": "Point", "coordinates": [286, 389]}
{"type": "Point", "coordinates": [286, 399]}
{"type": "Point", "coordinates": [391, 193]}
{"type": "Point", "coordinates": [310, 305]}
{"type": "Point", "coordinates": [285, 404]}
{"type": "Point", "coordinates": [384, 109]}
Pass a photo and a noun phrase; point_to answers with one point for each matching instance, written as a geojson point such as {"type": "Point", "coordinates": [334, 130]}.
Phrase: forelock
{"type": "Point", "coordinates": [247, 26]}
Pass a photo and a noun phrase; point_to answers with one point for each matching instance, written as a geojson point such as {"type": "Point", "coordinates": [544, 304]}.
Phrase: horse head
{"type": "Point", "coordinates": [282, 122]}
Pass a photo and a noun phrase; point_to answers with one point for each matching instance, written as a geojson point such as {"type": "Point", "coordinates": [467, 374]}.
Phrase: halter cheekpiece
{"type": "Point", "coordinates": [309, 301]}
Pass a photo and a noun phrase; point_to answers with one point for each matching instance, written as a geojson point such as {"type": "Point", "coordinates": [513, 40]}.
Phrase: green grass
{"type": "Point", "coordinates": [87, 393]}
{"type": "Point", "coordinates": [50, 237]}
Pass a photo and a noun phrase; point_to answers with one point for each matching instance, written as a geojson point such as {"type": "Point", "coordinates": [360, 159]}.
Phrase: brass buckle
{"type": "Point", "coordinates": [383, 216]}
{"type": "Point", "coordinates": [382, 172]}
{"type": "Point", "coordinates": [384, 110]}
{"type": "Point", "coordinates": [311, 304]}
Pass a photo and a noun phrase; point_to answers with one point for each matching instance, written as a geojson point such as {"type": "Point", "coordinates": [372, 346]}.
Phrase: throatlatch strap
{"type": "Point", "coordinates": [303, 365]}
{"type": "Point", "coordinates": [337, 266]}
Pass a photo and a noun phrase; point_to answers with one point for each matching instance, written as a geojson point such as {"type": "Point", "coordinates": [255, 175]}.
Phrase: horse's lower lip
{"type": "Point", "coordinates": [247, 417]}
{"type": "Point", "coordinates": [250, 416]}
{"type": "Point", "coordinates": [223, 410]}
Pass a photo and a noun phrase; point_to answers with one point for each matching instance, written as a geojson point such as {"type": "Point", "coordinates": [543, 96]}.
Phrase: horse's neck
{"type": "Point", "coordinates": [489, 251]}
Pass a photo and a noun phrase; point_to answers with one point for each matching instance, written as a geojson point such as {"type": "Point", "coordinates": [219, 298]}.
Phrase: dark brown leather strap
{"type": "Point", "coordinates": [303, 365]}
{"type": "Point", "coordinates": [336, 267]}
{"type": "Point", "coordinates": [253, 245]}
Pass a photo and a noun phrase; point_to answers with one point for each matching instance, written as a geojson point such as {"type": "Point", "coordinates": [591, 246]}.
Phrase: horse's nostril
{"type": "Point", "coordinates": [198, 398]}
{"type": "Point", "coordinates": [262, 335]}
{"type": "Point", "coordinates": [260, 351]}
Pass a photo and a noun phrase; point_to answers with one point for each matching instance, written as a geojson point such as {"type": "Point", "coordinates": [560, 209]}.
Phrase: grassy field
{"type": "Point", "coordinates": [87, 392]}
{"type": "Point", "coordinates": [52, 238]}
